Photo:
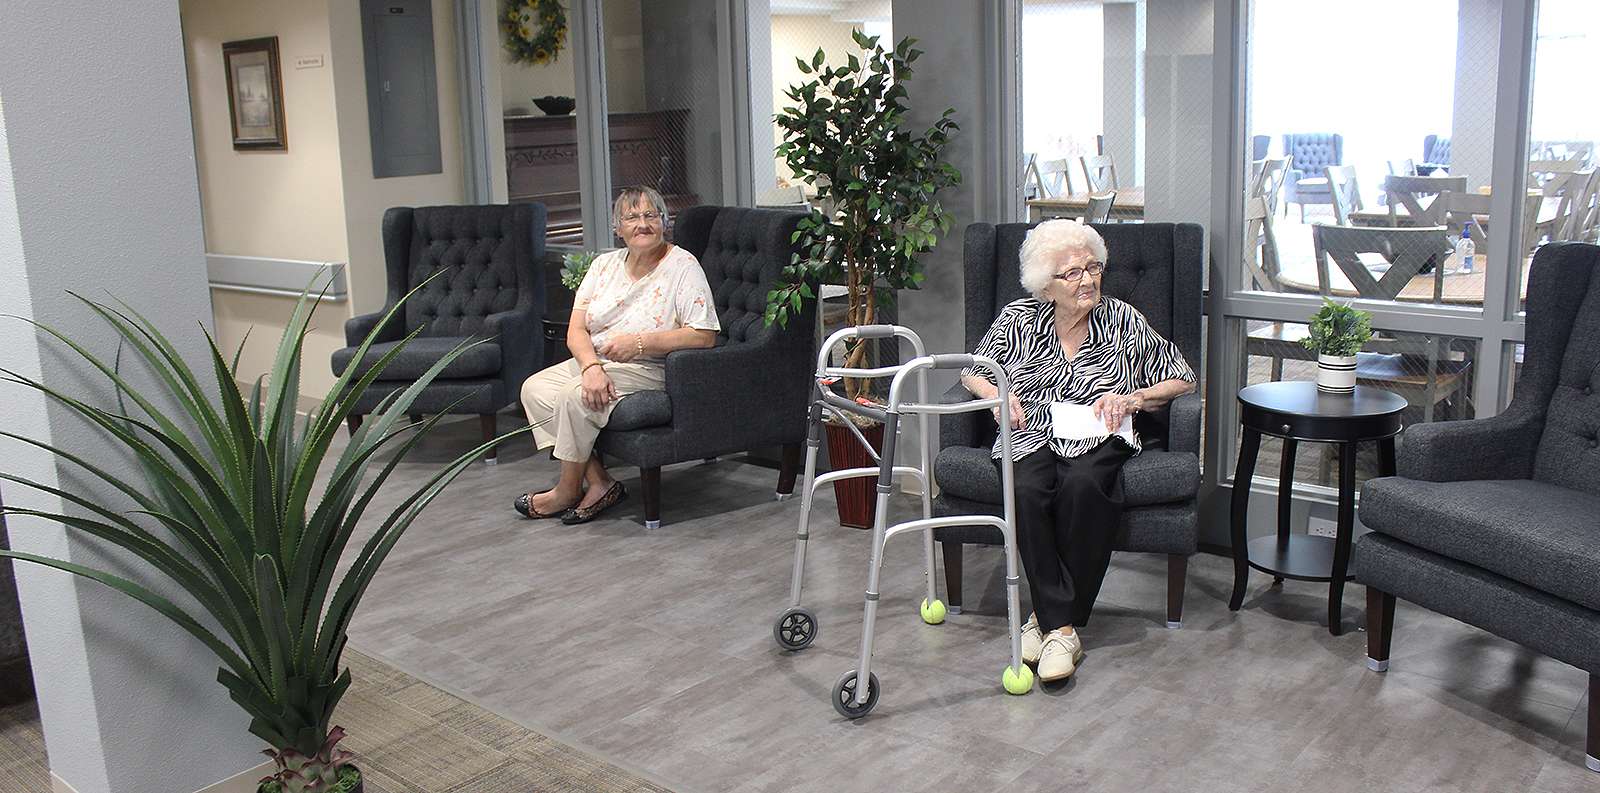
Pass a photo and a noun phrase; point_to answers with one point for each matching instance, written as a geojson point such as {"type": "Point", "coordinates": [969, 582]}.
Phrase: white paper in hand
{"type": "Point", "coordinates": [1078, 422]}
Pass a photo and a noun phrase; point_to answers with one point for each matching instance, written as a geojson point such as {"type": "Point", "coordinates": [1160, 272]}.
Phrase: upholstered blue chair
{"type": "Point", "coordinates": [491, 289]}
{"type": "Point", "coordinates": [1312, 152]}
{"type": "Point", "coordinates": [1258, 146]}
{"type": "Point", "coordinates": [1435, 154]}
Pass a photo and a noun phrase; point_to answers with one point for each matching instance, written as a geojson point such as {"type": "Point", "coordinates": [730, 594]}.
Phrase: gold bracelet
{"type": "Point", "coordinates": [638, 339]}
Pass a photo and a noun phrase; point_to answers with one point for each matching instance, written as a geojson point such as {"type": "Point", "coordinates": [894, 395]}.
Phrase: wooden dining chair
{"type": "Point", "coordinates": [1056, 176]}
{"type": "Point", "coordinates": [1100, 172]}
{"type": "Point", "coordinates": [1404, 253]}
{"type": "Point", "coordinates": [1344, 191]}
{"type": "Point", "coordinates": [1417, 194]}
{"type": "Point", "coordinates": [1032, 182]}
{"type": "Point", "coordinates": [1098, 207]}
{"type": "Point", "coordinates": [1573, 209]}
{"type": "Point", "coordinates": [1261, 245]}
{"type": "Point", "coordinates": [1405, 167]}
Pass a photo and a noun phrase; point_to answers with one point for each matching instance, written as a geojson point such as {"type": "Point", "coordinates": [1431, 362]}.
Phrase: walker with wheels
{"type": "Point", "coordinates": [796, 627]}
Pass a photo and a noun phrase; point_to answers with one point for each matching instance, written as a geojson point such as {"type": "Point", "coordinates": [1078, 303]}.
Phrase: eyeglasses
{"type": "Point", "coordinates": [1076, 273]}
{"type": "Point", "coordinates": [647, 217]}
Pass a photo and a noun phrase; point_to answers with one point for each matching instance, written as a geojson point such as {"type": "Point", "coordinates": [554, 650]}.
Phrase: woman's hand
{"type": "Point", "coordinates": [1110, 408]}
{"type": "Point", "coordinates": [622, 349]}
{"type": "Point", "coordinates": [1014, 407]}
{"type": "Point", "coordinates": [598, 390]}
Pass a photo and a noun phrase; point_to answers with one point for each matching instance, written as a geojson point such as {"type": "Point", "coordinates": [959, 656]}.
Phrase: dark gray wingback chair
{"type": "Point", "coordinates": [1312, 152]}
{"type": "Point", "coordinates": [493, 289]}
{"type": "Point", "coordinates": [1155, 267]}
{"type": "Point", "coordinates": [1496, 522]}
{"type": "Point", "coordinates": [1435, 154]}
{"type": "Point", "coordinates": [750, 391]}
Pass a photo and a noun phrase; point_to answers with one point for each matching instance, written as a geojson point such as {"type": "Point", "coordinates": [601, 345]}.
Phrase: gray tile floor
{"type": "Point", "coordinates": [655, 651]}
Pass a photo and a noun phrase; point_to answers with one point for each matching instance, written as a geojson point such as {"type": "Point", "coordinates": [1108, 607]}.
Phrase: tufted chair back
{"type": "Point", "coordinates": [486, 252]}
{"type": "Point", "coordinates": [1561, 372]}
{"type": "Point", "coordinates": [1313, 151]}
{"type": "Point", "coordinates": [743, 252]}
{"type": "Point", "coordinates": [1436, 149]}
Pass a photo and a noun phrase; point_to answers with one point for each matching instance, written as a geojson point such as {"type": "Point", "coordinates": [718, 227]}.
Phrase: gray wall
{"type": "Point", "coordinates": [129, 703]}
{"type": "Point", "coordinates": [1178, 93]}
{"type": "Point", "coordinates": [1123, 95]}
{"type": "Point", "coordinates": [680, 71]}
{"type": "Point", "coordinates": [1472, 113]}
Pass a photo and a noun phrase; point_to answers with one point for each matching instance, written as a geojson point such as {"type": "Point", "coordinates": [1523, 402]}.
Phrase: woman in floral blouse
{"type": "Point", "coordinates": [634, 306]}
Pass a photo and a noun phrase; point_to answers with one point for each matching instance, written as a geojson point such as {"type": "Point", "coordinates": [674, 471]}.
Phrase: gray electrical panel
{"type": "Point", "coordinates": [402, 87]}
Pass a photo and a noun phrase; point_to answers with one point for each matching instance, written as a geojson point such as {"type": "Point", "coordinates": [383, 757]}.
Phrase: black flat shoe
{"type": "Point", "coordinates": [578, 515]}
{"type": "Point", "coordinates": [524, 506]}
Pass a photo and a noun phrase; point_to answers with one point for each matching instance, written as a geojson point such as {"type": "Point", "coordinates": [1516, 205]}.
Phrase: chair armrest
{"type": "Point", "coordinates": [737, 396]}
{"type": "Point", "coordinates": [1183, 423]}
{"type": "Point", "coordinates": [1499, 447]}
{"type": "Point", "coordinates": [357, 327]}
{"type": "Point", "coordinates": [521, 343]}
{"type": "Point", "coordinates": [961, 429]}
{"type": "Point", "coordinates": [1295, 175]}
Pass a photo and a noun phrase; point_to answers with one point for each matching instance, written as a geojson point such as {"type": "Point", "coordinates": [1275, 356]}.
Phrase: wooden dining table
{"type": "Point", "coordinates": [1129, 205]}
{"type": "Point", "coordinates": [1460, 289]}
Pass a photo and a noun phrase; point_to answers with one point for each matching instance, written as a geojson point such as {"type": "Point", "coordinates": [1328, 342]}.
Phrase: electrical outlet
{"type": "Point", "coordinates": [1322, 527]}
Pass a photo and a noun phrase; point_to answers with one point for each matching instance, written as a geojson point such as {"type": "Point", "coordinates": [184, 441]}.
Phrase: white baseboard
{"type": "Point", "coordinates": [242, 782]}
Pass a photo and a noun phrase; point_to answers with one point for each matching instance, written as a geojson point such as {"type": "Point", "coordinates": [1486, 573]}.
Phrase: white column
{"type": "Point", "coordinates": [1472, 112]}
{"type": "Point", "coordinates": [1123, 91]}
{"type": "Point", "coordinates": [98, 193]}
{"type": "Point", "coordinates": [1178, 94]}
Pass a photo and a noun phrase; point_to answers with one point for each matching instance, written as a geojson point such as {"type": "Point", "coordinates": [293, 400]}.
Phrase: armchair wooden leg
{"type": "Point", "coordinates": [650, 483]}
{"type": "Point", "coordinates": [487, 424]}
{"type": "Point", "coordinates": [789, 467]}
{"type": "Point", "coordinates": [1592, 744]}
{"type": "Point", "coordinates": [952, 575]}
{"type": "Point", "coordinates": [1177, 575]}
{"type": "Point", "coordinates": [1380, 629]}
{"type": "Point", "coordinates": [353, 422]}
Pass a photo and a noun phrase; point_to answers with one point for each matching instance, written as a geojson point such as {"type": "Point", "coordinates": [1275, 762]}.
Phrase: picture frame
{"type": "Point", "coordinates": [255, 94]}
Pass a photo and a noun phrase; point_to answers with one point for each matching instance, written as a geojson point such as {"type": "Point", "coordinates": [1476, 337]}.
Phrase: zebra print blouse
{"type": "Point", "coordinates": [1122, 353]}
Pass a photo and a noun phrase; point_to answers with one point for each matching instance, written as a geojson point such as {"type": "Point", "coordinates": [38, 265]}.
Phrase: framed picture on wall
{"type": "Point", "coordinates": [255, 94]}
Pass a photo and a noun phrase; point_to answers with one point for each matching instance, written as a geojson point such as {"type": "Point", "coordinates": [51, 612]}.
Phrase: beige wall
{"type": "Point", "coordinates": [520, 83]}
{"type": "Point", "coordinates": [274, 204]}
{"type": "Point", "coordinates": [799, 37]}
{"type": "Point", "coordinates": [366, 198]}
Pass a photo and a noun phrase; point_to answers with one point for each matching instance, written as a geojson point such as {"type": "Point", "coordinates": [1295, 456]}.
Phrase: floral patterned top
{"type": "Point", "coordinates": [674, 295]}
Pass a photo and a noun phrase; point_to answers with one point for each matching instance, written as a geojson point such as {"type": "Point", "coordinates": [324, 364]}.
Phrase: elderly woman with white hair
{"type": "Point", "coordinates": [635, 305]}
{"type": "Point", "coordinates": [1069, 343]}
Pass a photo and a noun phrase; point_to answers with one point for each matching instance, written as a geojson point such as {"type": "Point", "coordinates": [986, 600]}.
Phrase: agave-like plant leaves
{"type": "Point", "coordinates": [230, 481]}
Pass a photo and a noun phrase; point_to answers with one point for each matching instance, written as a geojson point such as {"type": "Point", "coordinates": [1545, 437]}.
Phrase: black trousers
{"type": "Point", "coordinates": [1067, 516]}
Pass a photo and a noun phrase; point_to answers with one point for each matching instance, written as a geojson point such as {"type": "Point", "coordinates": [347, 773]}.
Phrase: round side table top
{"type": "Point", "coordinates": [1301, 398]}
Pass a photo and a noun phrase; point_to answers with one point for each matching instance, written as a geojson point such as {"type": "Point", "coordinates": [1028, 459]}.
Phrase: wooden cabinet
{"type": "Point", "coordinates": [542, 163]}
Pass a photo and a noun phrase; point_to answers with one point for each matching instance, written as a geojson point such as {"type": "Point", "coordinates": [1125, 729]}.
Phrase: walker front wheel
{"type": "Point", "coordinates": [844, 696]}
{"type": "Point", "coordinates": [795, 629]}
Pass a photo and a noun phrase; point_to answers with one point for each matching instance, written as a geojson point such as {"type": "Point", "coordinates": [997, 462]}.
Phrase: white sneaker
{"type": "Point", "coordinates": [1059, 657]}
{"type": "Point", "coordinates": [1032, 640]}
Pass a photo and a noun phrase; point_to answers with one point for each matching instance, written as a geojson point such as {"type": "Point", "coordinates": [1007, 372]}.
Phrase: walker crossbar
{"type": "Point", "coordinates": [857, 692]}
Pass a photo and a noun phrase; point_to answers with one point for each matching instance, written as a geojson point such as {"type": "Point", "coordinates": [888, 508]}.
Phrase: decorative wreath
{"type": "Point", "coordinates": [534, 30]}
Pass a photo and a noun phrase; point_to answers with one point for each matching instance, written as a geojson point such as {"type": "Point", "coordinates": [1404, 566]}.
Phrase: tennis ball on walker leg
{"type": "Point", "coordinates": [1017, 681]}
{"type": "Point", "coordinates": [933, 613]}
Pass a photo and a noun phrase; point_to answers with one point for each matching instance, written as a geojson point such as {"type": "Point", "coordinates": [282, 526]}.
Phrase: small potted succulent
{"type": "Point", "coordinates": [1337, 334]}
{"type": "Point", "coordinates": [574, 266]}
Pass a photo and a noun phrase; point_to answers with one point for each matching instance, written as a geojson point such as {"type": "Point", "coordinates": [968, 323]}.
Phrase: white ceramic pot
{"type": "Point", "coordinates": [1336, 374]}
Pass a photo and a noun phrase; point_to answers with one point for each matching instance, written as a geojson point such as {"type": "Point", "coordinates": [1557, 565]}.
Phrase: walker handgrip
{"type": "Point", "coordinates": [958, 360]}
{"type": "Point", "coordinates": [874, 331]}
{"type": "Point", "coordinates": [854, 407]}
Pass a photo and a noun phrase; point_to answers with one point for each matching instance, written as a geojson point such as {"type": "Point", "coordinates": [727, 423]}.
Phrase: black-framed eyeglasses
{"type": "Point", "coordinates": [635, 217]}
{"type": "Point", "coordinates": [1076, 273]}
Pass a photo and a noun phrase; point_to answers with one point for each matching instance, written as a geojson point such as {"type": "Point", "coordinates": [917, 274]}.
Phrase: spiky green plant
{"type": "Point", "coordinates": [232, 487]}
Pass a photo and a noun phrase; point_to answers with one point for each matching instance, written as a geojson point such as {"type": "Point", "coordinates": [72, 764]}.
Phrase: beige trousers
{"type": "Point", "coordinates": [553, 401]}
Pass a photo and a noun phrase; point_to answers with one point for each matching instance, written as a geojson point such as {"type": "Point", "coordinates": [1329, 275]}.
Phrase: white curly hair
{"type": "Point", "coordinates": [1049, 240]}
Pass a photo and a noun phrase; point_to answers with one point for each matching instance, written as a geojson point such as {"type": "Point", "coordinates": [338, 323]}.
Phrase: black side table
{"type": "Point", "coordinates": [1297, 411]}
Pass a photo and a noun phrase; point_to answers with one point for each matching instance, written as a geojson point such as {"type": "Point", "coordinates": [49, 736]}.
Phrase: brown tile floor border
{"type": "Point", "coordinates": [408, 736]}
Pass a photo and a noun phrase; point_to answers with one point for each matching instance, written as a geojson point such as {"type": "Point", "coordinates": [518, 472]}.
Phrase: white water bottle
{"type": "Point", "coordinates": [1465, 250]}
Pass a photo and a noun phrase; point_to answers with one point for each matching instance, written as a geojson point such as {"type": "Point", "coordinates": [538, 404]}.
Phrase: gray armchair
{"type": "Point", "coordinates": [751, 390]}
{"type": "Point", "coordinates": [493, 290]}
{"type": "Point", "coordinates": [1312, 152]}
{"type": "Point", "coordinates": [1435, 154]}
{"type": "Point", "coordinates": [1156, 268]}
{"type": "Point", "coordinates": [1496, 522]}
